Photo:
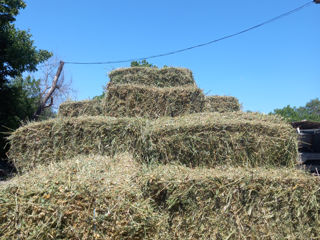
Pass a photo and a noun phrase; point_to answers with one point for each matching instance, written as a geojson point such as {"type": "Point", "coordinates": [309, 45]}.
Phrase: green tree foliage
{"type": "Point", "coordinates": [99, 97]}
{"type": "Point", "coordinates": [17, 52]}
{"type": "Point", "coordinates": [18, 96]}
{"type": "Point", "coordinates": [9, 9]}
{"type": "Point", "coordinates": [18, 102]}
{"type": "Point", "coordinates": [311, 111]}
{"type": "Point", "coordinates": [142, 63]}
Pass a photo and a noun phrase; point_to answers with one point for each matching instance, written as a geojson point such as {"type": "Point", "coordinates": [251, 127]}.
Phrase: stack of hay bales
{"type": "Point", "coordinates": [152, 93]}
{"type": "Point", "coordinates": [128, 100]}
{"type": "Point", "coordinates": [195, 167]}
{"type": "Point", "coordinates": [96, 197]}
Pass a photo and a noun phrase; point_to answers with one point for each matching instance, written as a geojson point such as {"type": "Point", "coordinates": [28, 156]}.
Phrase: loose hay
{"type": "Point", "coordinates": [235, 203]}
{"type": "Point", "coordinates": [221, 104]}
{"type": "Point", "coordinates": [83, 198]}
{"type": "Point", "coordinates": [98, 197]}
{"type": "Point", "coordinates": [150, 102]}
{"type": "Point", "coordinates": [80, 108]}
{"type": "Point", "coordinates": [56, 139]}
{"type": "Point", "coordinates": [213, 139]}
{"type": "Point", "coordinates": [164, 77]}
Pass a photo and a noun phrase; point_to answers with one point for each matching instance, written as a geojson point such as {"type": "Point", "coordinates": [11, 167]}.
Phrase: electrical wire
{"type": "Point", "coordinates": [202, 44]}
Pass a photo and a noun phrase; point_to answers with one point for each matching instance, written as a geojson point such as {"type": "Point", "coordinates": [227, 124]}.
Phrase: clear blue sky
{"type": "Point", "coordinates": [266, 68]}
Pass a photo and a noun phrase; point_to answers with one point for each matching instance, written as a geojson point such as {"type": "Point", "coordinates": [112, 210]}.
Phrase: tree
{"type": "Point", "coordinates": [19, 100]}
{"type": "Point", "coordinates": [17, 53]}
{"type": "Point", "coordinates": [18, 96]}
{"type": "Point", "coordinates": [311, 111]}
{"type": "Point", "coordinates": [142, 63]}
{"type": "Point", "coordinates": [313, 107]}
{"type": "Point", "coordinates": [54, 88]}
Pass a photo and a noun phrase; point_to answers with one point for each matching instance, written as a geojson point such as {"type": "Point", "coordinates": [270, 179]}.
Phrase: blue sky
{"type": "Point", "coordinates": [266, 68]}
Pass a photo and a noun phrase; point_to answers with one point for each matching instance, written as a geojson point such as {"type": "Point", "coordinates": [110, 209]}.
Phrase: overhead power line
{"type": "Point", "coordinates": [202, 44]}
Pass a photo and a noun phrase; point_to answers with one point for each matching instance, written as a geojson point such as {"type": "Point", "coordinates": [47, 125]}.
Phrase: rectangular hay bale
{"type": "Point", "coordinates": [150, 102]}
{"type": "Point", "coordinates": [213, 139]}
{"type": "Point", "coordinates": [60, 138]}
{"type": "Point", "coordinates": [80, 108]}
{"type": "Point", "coordinates": [164, 77]}
{"type": "Point", "coordinates": [86, 197]}
{"type": "Point", "coordinates": [221, 104]}
{"type": "Point", "coordinates": [235, 203]}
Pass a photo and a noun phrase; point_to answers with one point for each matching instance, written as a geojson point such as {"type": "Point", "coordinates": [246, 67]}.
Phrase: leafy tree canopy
{"type": "Point", "coordinates": [17, 53]}
{"type": "Point", "coordinates": [9, 9]}
{"type": "Point", "coordinates": [311, 111]}
{"type": "Point", "coordinates": [19, 96]}
{"type": "Point", "coordinates": [142, 63]}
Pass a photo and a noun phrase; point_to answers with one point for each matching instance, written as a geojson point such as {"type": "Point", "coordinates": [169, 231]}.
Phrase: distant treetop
{"type": "Point", "coordinates": [142, 63]}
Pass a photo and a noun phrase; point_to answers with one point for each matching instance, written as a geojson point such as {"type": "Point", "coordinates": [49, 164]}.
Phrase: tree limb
{"type": "Point", "coordinates": [48, 95]}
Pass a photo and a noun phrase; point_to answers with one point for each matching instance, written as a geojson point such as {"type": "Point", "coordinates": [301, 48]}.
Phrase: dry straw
{"type": "Point", "coordinates": [83, 198]}
{"type": "Point", "coordinates": [99, 197]}
{"type": "Point", "coordinates": [80, 108]}
{"type": "Point", "coordinates": [221, 104]}
{"type": "Point", "coordinates": [235, 203]}
{"type": "Point", "coordinates": [56, 139]}
{"type": "Point", "coordinates": [141, 101]}
{"type": "Point", "coordinates": [208, 139]}
{"type": "Point", "coordinates": [96, 197]}
{"type": "Point", "coordinates": [164, 77]}
{"type": "Point", "coordinates": [213, 139]}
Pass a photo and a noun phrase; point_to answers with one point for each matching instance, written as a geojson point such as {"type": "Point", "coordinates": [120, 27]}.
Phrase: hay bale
{"type": "Point", "coordinates": [99, 197]}
{"type": "Point", "coordinates": [60, 138]}
{"type": "Point", "coordinates": [82, 198]}
{"type": "Point", "coordinates": [221, 104]}
{"type": "Point", "coordinates": [80, 108]}
{"type": "Point", "coordinates": [235, 203]}
{"type": "Point", "coordinates": [164, 77]}
{"type": "Point", "coordinates": [150, 102]}
{"type": "Point", "coordinates": [213, 139]}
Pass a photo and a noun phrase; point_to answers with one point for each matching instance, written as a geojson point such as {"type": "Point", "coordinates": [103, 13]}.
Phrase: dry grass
{"type": "Point", "coordinates": [140, 101]}
{"type": "Point", "coordinates": [213, 139]}
{"type": "Point", "coordinates": [80, 108]}
{"type": "Point", "coordinates": [95, 197]}
{"type": "Point", "coordinates": [83, 198]}
{"type": "Point", "coordinates": [144, 188]}
{"type": "Point", "coordinates": [164, 77]}
{"type": "Point", "coordinates": [221, 104]}
{"type": "Point", "coordinates": [56, 139]}
{"type": "Point", "coordinates": [208, 139]}
{"type": "Point", "coordinates": [235, 203]}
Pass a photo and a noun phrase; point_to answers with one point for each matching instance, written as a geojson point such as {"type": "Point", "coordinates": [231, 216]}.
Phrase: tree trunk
{"type": "Point", "coordinates": [44, 101]}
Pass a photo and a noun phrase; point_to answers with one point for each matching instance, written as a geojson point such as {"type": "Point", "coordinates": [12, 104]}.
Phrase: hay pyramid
{"type": "Point", "coordinates": [157, 115]}
{"type": "Point", "coordinates": [156, 159]}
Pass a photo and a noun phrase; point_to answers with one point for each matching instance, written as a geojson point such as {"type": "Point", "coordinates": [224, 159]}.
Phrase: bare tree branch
{"type": "Point", "coordinates": [48, 94]}
{"type": "Point", "coordinates": [50, 104]}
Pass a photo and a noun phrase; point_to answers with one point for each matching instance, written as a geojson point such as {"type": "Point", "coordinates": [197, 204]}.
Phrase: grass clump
{"type": "Point", "coordinates": [80, 108]}
{"type": "Point", "coordinates": [221, 104]}
{"type": "Point", "coordinates": [91, 197]}
{"type": "Point", "coordinates": [56, 139]}
{"type": "Point", "coordinates": [150, 102]}
{"type": "Point", "coordinates": [213, 139]}
{"type": "Point", "coordinates": [235, 203]}
{"type": "Point", "coordinates": [164, 77]}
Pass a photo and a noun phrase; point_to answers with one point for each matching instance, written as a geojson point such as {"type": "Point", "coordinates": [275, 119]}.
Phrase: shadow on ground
{"type": "Point", "coordinates": [7, 170]}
